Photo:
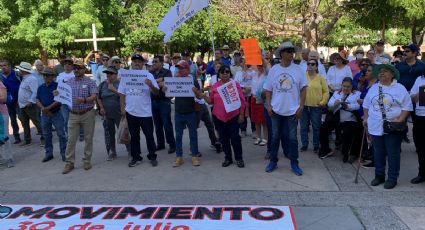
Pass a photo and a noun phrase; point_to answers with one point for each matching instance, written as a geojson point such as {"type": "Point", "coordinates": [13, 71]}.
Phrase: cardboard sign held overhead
{"type": "Point", "coordinates": [252, 51]}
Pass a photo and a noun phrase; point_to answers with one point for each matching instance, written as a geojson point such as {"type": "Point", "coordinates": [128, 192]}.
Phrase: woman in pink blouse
{"type": "Point", "coordinates": [227, 122]}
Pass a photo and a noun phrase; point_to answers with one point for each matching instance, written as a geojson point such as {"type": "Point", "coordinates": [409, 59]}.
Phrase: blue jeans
{"type": "Point", "coordinates": [65, 115]}
{"type": "Point", "coordinates": [283, 138]}
{"type": "Point", "coordinates": [46, 125]}
{"type": "Point", "coordinates": [388, 145]}
{"type": "Point", "coordinates": [287, 126]}
{"type": "Point", "coordinates": [161, 113]}
{"type": "Point", "coordinates": [13, 114]}
{"type": "Point", "coordinates": [229, 133]}
{"type": "Point", "coordinates": [190, 120]}
{"type": "Point", "coordinates": [311, 115]}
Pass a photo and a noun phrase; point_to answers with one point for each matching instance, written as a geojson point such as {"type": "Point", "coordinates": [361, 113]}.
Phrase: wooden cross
{"type": "Point", "coordinates": [94, 39]}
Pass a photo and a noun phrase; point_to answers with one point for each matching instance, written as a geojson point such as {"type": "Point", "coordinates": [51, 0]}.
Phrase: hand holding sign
{"type": "Point", "coordinates": [63, 94]}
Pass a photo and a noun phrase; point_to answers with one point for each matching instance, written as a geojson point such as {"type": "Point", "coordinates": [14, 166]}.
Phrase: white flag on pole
{"type": "Point", "coordinates": [181, 12]}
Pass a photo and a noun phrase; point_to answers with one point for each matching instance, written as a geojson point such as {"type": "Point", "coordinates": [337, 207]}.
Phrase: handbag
{"type": "Point", "coordinates": [389, 126]}
{"type": "Point", "coordinates": [123, 134]}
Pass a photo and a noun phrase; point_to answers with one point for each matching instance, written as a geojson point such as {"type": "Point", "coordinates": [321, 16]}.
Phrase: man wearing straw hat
{"type": "Point", "coordinates": [26, 100]}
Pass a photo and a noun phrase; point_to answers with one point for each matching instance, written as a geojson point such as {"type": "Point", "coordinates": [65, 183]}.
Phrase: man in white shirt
{"type": "Point", "coordinates": [26, 100]}
{"type": "Point", "coordinates": [136, 106]}
{"type": "Point", "coordinates": [285, 97]}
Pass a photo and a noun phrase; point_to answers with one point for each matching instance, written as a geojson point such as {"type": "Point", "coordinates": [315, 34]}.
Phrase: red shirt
{"type": "Point", "coordinates": [217, 102]}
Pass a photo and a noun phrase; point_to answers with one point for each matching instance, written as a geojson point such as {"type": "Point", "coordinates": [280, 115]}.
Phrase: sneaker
{"type": "Point", "coordinates": [178, 162]}
{"type": "Point", "coordinates": [390, 184]}
{"type": "Point", "coordinates": [68, 168]}
{"type": "Point", "coordinates": [417, 180]}
{"type": "Point", "coordinates": [263, 142]}
{"type": "Point", "coordinates": [195, 161]}
{"type": "Point", "coordinates": [323, 155]}
{"type": "Point", "coordinates": [111, 157]}
{"type": "Point", "coordinates": [154, 162]}
{"type": "Point", "coordinates": [256, 142]}
{"type": "Point", "coordinates": [240, 163]}
{"type": "Point", "coordinates": [303, 149]}
{"type": "Point", "coordinates": [134, 163]}
{"type": "Point", "coordinates": [10, 163]}
{"type": "Point", "coordinates": [271, 166]}
{"type": "Point", "coordinates": [377, 181]}
{"type": "Point", "coordinates": [226, 163]}
{"type": "Point", "coordinates": [25, 143]}
{"type": "Point", "coordinates": [46, 159]}
{"type": "Point", "coordinates": [87, 166]}
{"type": "Point", "coordinates": [368, 165]}
{"type": "Point", "coordinates": [296, 169]}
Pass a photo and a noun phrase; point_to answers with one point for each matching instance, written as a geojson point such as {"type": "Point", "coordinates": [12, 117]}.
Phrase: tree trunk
{"type": "Point", "coordinates": [383, 29]}
{"type": "Point", "coordinates": [413, 32]}
{"type": "Point", "coordinates": [44, 56]}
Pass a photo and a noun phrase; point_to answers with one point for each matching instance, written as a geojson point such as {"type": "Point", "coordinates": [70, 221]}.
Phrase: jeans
{"type": "Point", "coordinates": [77, 122]}
{"type": "Point", "coordinates": [65, 114]}
{"type": "Point", "coordinates": [46, 123]}
{"type": "Point", "coordinates": [287, 126]}
{"type": "Point", "coordinates": [418, 127]}
{"type": "Point", "coordinates": [283, 137]}
{"type": "Point", "coordinates": [229, 133]}
{"type": "Point", "coordinates": [388, 145]}
{"type": "Point", "coordinates": [134, 126]}
{"type": "Point", "coordinates": [204, 115]}
{"type": "Point", "coordinates": [161, 113]}
{"type": "Point", "coordinates": [311, 115]}
{"type": "Point", "coordinates": [189, 119]}
{"type": "Point", "coordinates": [13, 113]}
{"type": "Point", "coordinates": [30, 113]}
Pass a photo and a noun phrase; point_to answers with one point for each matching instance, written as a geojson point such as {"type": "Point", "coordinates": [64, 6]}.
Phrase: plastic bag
{"type": "Point", "coordinates": [123, 132]}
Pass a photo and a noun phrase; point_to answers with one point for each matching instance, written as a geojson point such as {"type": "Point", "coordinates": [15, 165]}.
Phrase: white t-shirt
{"type": "Point", "coordinates": [420, 81]}
{"type": "Point", "coordinates": [64, 76]}
{"type": "Point", "coordinates": [335, 76]}
{"type": "Point", "coordinates": [321, 68]}
{"type": "Point", "coordinates": [286, 85]}
{"type": "Point", "coordinates": [396, 98]}
{"type": "Point", "coordinates": [352, 105]}
{"type": "Point", "coordinates": [138, 101]}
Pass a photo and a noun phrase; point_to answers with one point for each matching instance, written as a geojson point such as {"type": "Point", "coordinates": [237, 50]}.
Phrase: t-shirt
{"type": "Point", "coordinates": [408, 74]}
{"type": "Point", "coordinates": [110, 100]}
{"type": "Point", "coordinates": [286, 84]}
{"type": "Point", "coordinates": [396, 98]}
{"type": "Point", "coordinates": [335, 76]}
{"type": "Point", "coordinates": [64, 77]}
{"type": "Point", "coordinates": [420, 81]}
{"type": "Point", "coordinates": [138, 101]}
{"type": "Point", "coordinates": [186, 104]}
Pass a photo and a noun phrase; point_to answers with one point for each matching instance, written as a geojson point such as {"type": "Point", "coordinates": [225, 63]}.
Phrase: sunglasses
{"type": "Point", "coordinates": [225, 71]}
{"type": "Point", "coordinates": [109, 73]}
{"type": "Point", "coordinates": [311, 64]}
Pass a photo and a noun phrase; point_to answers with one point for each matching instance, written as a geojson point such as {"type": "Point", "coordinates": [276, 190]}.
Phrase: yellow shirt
{"type": "Point", "coordinates": [317, 91]}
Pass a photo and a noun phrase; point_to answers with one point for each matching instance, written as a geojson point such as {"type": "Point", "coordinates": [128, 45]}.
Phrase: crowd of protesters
{"type": "Point", "coordinates": [362, 105]}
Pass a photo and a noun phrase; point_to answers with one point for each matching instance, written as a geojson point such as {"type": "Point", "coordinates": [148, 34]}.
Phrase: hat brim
{"type": "Point", "coordinates": [281, 49]}
{"type": "Point", "coordinates": [105, 71]}
{"type": "Point", "coordinates": [23, 69]}
{"type": "Point", "coordinates": [335, 55]}
{"type": "Point", "coordinates": [377, 70]}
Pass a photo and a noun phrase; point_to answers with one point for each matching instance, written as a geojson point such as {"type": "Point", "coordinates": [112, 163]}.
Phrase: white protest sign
{"type": "Point", "coordinates": [146, 217]}
{"type": "Point", "coordinates": [65, 94]}
{"type": "Point", "coordinates": [179, 86]}
{"type": "Point", "coordinates": [230, 96]}
{"type": "Point", "coordinates": [134, 79]}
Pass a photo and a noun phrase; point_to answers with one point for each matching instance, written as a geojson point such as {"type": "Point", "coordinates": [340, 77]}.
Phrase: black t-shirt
{"type": "Point", "coordinates": [186, 104]}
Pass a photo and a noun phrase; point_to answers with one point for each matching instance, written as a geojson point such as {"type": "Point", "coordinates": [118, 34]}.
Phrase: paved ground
{"type": "Point", "coordinates": [325, 197]}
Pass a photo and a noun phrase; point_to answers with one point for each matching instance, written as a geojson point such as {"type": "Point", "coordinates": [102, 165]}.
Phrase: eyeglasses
{"type": "Point", "coordinates": [407, 51]}
{"type": "Point", "coordinates": [225, 71]}
{"type": "Point", "coordinates": [311, 64]}
{"type": "Point", "coordinates": [105, 59]}
{"type": "Point", "coordinates": [110, 73]}
{"type": "Point", "coordinates": [116, 62]}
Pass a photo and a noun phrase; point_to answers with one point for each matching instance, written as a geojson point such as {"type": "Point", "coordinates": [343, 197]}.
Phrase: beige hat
{"type": "Point", "coordinates": [79, 63]}
{"type": "Point", "coordinates": [48, 71]}
{"type": "Point", "coordinates": [25, 67]}
{"type": "Point", "coordinates": [284, 46]}
{"type": "Point", "coordinates": [225, 47]}
{"type": "Point", "coordinates": [115, 58]}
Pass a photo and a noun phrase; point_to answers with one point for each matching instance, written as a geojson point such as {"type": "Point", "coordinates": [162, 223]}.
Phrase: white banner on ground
{"type": "Point", "coordinates": [65, 94]}
{"type": "Point", "coordinates": [179, 86]}
{"type": "Point", "coordinates": [146, 217]}
{"type": "Point", "coordinates": [230, 96]}
{"type": "Point", "coordinates": [178, 14]}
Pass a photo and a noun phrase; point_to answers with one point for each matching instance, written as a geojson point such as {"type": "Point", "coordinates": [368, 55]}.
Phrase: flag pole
{"type": "Point", "coordinates": [211, 29]}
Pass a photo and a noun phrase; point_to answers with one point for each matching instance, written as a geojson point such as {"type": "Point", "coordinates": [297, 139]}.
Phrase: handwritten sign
{"type": "Point", "coordinates": [65, 94]}
{"type": "Point", "coordinates": [230, 96]}
{"type": "Point", "coordinates": [252, 51]}
{"type": "Point", "coordinates": [179, 86]}
{"type": "Point", "coordinates": [134, 79]}
{"type": "Point", "coordinates": [147, 217]}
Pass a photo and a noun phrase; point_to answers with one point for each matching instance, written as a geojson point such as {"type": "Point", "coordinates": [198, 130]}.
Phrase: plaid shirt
{"type": "Point", "coordinates": [82, 88]}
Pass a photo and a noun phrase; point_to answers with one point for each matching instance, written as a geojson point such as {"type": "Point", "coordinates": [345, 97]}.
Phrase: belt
{"type": "Point", "coordinates": [81, 112]}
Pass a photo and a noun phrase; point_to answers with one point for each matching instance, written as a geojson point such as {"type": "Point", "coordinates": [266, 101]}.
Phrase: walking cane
{"type": "Point", "coordinates": [360, 156]}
